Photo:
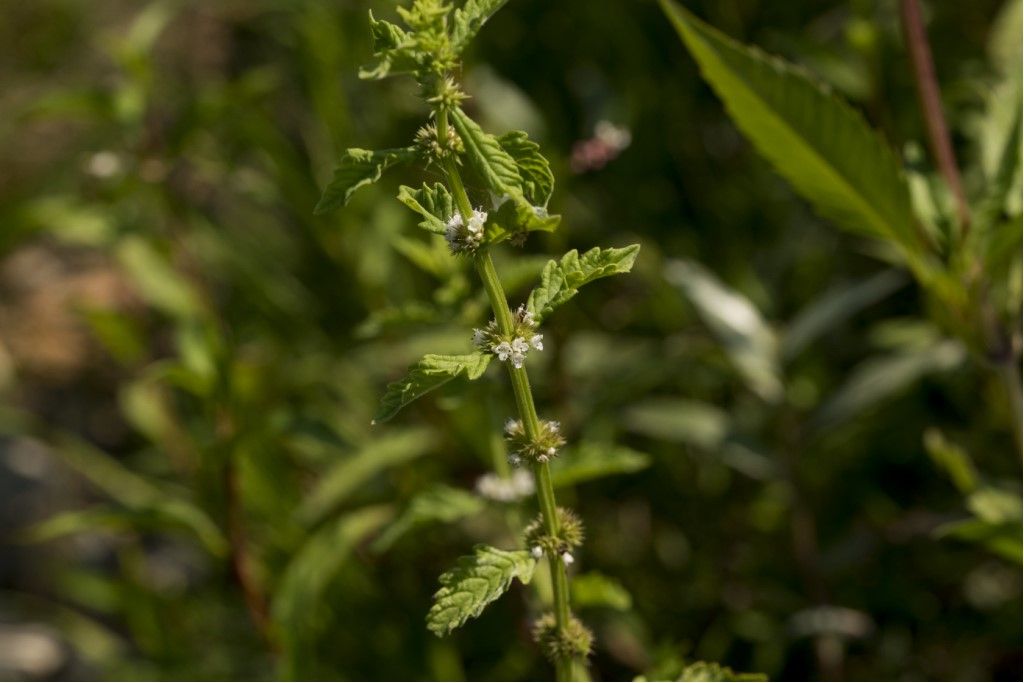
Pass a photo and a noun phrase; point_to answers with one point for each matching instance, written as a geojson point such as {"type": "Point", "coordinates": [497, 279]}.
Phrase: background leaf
{"type": "Point", "coordinates": [561, 280]}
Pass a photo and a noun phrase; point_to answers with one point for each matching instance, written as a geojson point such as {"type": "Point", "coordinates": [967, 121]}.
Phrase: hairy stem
{"type": "Point", "coordinates": [931, 104]}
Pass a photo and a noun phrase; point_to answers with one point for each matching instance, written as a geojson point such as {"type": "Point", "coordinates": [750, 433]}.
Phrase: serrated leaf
{"type": "Point", "coordinates": [534, 169]}
{"type": "Point", "coordinates": [438, 504]}
{"type": "Point", "coordinates": [430, 373]}
{"type": "Point", "coordinates": [486, 157]}
{"type": "Point", "coordinates": [737, 324]}
{"type": "Point", "coordinates": [822, 146]}
{"type": "Point", "coordinates": [593, 461]}
{"type": "Point", "coordinates": [561, 280]}
{"type": "Point", "coordinates": [435, 204]}
{"type": "Point", "coordinates": [835, 306]}
{"type": "Point", "coordinates": [359, 167]}
{"type": "Point", "coordinates": [394, 49]}
{"type": "Point", "coordinates": [711, 671]}
{"type": "Point", "coordinates": [469, 19]}
{"type": "Point", "coordinates": [476, 581]}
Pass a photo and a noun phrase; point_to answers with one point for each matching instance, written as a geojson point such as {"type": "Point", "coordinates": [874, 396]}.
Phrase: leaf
{"type": "Point", "coordinates": [534, 169]}
{"type": "Point", "coordinates": [469, 19]}
{"type": "Point", "coordinates": [822, 146]}
{"type": "Point", "coordinates": [430, 373]}
{"type": "Point", "coordinates": [394, 48]}
{"type": "Point", "coordinates": [356, 470]}
{"type": "Point", "coordinates": [478, 580]}
{"type": "Point", "coordinates": [561, 280]}
{"type": "Point", "coordinates": [435, 204]}
{"type": "Point", "coordinates": [951, 459]}
{"type": "Point", "coordinates": [310, 571]}
{"type": "Point", "coordinates": [833, 307]}
{"type": "Point", "coordinates": [485, 155]}
{"type": "Point", "coordinates": [359, 167]}
{"type": "Point", "coordinates": [593, 461]}
{"type": "Point", "coordinates": [711, 671]}
{"type": "Point", "coordinates": [736, 323]}
{"type": "Point", "coordinates": [679, 420]}
{"type": "Point", "coordinates": [880, 378]}
{"type": "Point", "coordinates": [437, 504]}
{"type": "Point", "coordinates": [594, 589]}
{"type": "Point", "coordinates": [157, 281]}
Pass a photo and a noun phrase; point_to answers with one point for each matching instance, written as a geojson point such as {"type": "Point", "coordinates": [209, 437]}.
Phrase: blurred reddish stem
{"type": "Point", "coordinates": [931, 103]}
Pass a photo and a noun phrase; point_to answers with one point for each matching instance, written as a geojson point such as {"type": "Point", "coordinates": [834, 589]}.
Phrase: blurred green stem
{"type": "Point", "coordinates": [565, 668]}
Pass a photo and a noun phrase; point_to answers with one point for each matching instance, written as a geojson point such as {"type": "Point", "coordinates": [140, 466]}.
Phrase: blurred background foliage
{"type": "Point", "coordinates": [811, 479]}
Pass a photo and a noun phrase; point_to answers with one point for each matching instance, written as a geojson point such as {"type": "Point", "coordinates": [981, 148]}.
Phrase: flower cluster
{"type": "Point", "coordinates": [568, 538]}
{"type": "Point", "coordinates": [505, 490]}
{"type": "Point", "coordinates": [575, 640]}
{"type": "Point", "coordinates": [433, 147]}
{"type": "Point", "coordinates": [541, 448]}
{"type": "Point", "coordinates": [465, 235]}
{"type": "Point", "coordinates": [515, 346]}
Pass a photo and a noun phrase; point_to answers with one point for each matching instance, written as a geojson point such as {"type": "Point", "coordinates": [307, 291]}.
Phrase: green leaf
{"type": "Point", "coordinates": [298, 593]}
{"type": "Point", "coordinates": [737, 324]}
{"type": "Point", "coordinates": [469, 19]}
{"type": "Point", "coordinates": [594, 589]}
{"type": "Point", "coordinates": [394, 48]}
{"type": "Point", "coordinates": [435, 204]}
{"type": "Point", "coordinates": [430, 373]}
{"type": "Point", "coordinates": [486, 157]}
{"type": "Point", "coordinates": [159, 283]}
{"type": "Point", "coordinates": [593, 461]}
{"type": "Point", "coordinates": [711, 671]}
{"type": "Point", "coordinates": [822, 146]}
{"type": "Point", "coordinates": [354, 471]}
{"type": "Point", "coordinates": [951, 459]}
{"type": "Point", "coordinates": [679, 420]}
{"type": "Point", "coordinates": [561, 280]}
{"type": "Point", "coordinates": [534, 169]}
{"type": "Point", "coordinates": [438, 504]}
{"type": "Point", "coordinates": [478, 580]}
{"type": "Point", "coordinates": [880, 378]}
{"type": "Point", "coordinates": [833, 307]}
{"type": "Point", "coordinates": [359, 167]}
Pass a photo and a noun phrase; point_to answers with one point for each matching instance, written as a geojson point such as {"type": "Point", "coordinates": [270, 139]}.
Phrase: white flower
{"type": "Point", "coordinates": [537, 552]}
{"type": "Point", "coordinates": [517, 360]}
{"type": "Point", "coordinates": [537, 342]}
{"type": "Point", "coordinates": [478, 337]}
{"type": "Point", "coordinates": [568, 558]}
{"type": "Point", "coordinates": [476, 222]}
{"type": "Point", "coordinates": [503, 351]}
{"type": "Point", "coordinates": [519, 345]}
{"type": "Point", "coordinates": [451, 232]}
{"type": "Point", "coordinates": [551, 452]}
{"type": "Point", "coordinates": [519, 485]}
{"type": "Point", "coordinates": [515, 459]}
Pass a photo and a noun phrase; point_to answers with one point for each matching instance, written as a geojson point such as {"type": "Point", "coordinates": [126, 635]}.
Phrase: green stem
{"type": "Point", "coordinates": [565, 668]}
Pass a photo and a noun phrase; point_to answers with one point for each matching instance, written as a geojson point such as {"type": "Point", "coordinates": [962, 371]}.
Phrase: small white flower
{"type": "Point", "coordinates": [511, 425]}
{"type": "Point", "coordinates": [537, 552]}
{"type": "Point", "coordinates": [476, 222]}
{"type": "Point", "coordinates": [551, 452]}
{"type": "Point", "coordinates": [568, 558]}
{"type": "Point", "coordinates": [522, 482]}
{"type": "Point", "coordinates": [537, 342]}
{"type": "Point", "coordinates": [542, 457]}
{"type": "Point", "coordinates": [478, 337]}
{"type": "Point", "coordinates": [515, 459]}
{"type": "Point", "coordinates": [519, 345]}
{"type": "Point", "coordinates": [517, 359]}
{"type": "Point", "coordinates": [503, 351]}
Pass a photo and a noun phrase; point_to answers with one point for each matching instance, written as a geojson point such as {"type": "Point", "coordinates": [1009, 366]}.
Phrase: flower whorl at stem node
{"type": "Point", "coordinates": [515, 346]}
{"type": "Point", "coordinates": [433, 147]}
{"type": "Point", "coordinates": [569, 536]}
{"type": "Point", "coordinates": [540, 449]}
{"type": "Point", "coordinates": [465, 235]}
{"type": "Point", "coordinates": [575, 640]}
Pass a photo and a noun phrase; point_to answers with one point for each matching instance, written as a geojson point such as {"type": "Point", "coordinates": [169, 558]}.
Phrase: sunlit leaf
{"type": "Point", "coordinates": [429, 374]}
{"type": "Point", "coordinates": [357, 168]}
{"type": "Point", "coordinates": [470, 18]}
{"type": "Point", "coordinates": [595, 460]}
{"type": "Point", "coordinates": [478, 580]}
{"type": "Point", "coordinates": [816, 141]}
{"type": "Point", "coordinates": [561, 280]}
{"type": "Point", "coordinates": [538, 180]}
{"type": "Point", "coordinates": [433, 203]}
{"type": "Point", "coordinates": [594, 589]}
